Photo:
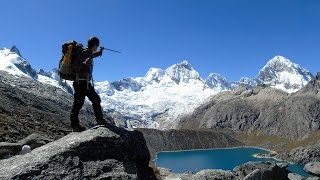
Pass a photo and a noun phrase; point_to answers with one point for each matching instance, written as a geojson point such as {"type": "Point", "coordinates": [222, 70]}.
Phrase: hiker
{"type": "Point", "coordinates": [83, 87]}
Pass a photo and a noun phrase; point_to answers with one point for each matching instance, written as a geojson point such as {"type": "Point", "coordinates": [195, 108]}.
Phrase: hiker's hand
{"type": "Point", "coordinates": [101, 49]}
{"type": "Point", "coordinates": [88, 61]}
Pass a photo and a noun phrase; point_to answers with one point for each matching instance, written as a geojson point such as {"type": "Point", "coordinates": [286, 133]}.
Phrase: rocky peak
{"type": "Point", "coordinates": [155, 74]}
{"type": "Point", "coordinates": [283, 74]}
{"type": "Point", "coordinates": [182, 72]}
{"type": "Point", "coordinates": [217, 82]}
{"type": "Point", "coordinates": [14, 49]}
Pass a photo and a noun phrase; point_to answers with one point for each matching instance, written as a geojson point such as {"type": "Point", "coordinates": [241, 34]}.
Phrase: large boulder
{"type": "Point", "coordinates": [313, 168]}
{"type": "Point", "coordinates": [93, 154]}
{"type": "Point", "coordinates": [261, 171]}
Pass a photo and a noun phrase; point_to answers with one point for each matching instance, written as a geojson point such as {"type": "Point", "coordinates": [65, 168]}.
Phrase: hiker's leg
{"type": "Point", "coordinates": [79, 97]}
{"type": "Point", "coordinates": [95, 100]}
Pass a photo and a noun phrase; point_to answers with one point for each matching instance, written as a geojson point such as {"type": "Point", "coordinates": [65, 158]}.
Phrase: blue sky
{"type": "Point", "coordinates": [234, 38]}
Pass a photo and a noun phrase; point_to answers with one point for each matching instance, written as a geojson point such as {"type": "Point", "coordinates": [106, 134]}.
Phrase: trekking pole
{"type": "Point", "coordinates": [110, 50]}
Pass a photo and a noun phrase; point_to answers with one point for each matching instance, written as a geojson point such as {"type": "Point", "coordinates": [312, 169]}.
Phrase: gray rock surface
{"type": "Point", "coordinates": [293, 176]}
{"type": "Point", "coordinates": [93, 154]}
{"type": "Point", "coordinates": [206, 174]}
{"type": "Point", "coordinates": [313, 168]}
{"type": "Point", "coordinates": [260, 171]}
{"type": "Point", "coordinates": [261, 109]}
{"type": "Point", "coordinates": [214, 174]}
{"type": "Point", "coordinates": [247, 171]}
{"type": "Point", "coordinates": [302, 155]}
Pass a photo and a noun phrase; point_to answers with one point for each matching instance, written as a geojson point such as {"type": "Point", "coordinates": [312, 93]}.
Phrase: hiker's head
{"type": "Point", "coordinates": [93, 43]}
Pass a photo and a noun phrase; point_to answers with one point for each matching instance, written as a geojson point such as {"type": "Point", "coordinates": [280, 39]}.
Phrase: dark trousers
{"type": "Point", "coordinates": [81, 90]}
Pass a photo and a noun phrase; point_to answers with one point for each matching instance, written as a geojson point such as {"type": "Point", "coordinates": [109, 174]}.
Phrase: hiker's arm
{"type": "Point", "coordinates": [96, 54]}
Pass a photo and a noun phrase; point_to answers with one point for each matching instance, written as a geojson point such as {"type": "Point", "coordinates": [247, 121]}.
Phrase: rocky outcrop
{"type": "Point", "coordinates": [260, 170]}
{"type": "Point", "coordinates": [93, 154]}
{"type": "Point", "coordinates": [247, 171]}
{"type": "Point", "coordinates": [262, 110]}
{"type": "Point", "coordinates": [302, 155]}
{"type": "Point", "coordinates": [171, 140]}
{"type": "Point", "coordinates": [313, 168]}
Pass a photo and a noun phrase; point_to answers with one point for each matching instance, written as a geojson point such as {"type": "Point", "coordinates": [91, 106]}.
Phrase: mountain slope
{"type": "Point", "coordinates": [261, 109]}
{"type": "Point", "coordinates": [28, 106]}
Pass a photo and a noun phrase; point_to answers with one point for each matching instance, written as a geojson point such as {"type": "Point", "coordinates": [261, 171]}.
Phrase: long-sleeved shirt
{"type": "Point", "coordinates": [84, 71]}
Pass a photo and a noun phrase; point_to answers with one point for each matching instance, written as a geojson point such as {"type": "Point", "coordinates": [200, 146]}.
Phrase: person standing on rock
{"type": "Point", "coordinates": [83, 87]}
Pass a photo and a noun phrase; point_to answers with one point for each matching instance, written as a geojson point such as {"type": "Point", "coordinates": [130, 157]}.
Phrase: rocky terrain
{"type": "Point", "coordinates": [102, 153]}
{"type": "Point", "coordinates": [28, 106]}
{"type": "Point", "coordinates": [261, 109]}
{"type": "Point", "coordinates": [247, 171]}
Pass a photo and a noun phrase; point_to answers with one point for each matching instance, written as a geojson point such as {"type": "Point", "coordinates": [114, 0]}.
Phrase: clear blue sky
{"type": "Point", "coordinates": [234, 38]}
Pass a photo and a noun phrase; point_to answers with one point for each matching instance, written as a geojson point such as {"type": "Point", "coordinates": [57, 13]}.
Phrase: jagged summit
{"type": "Point", "coordinates": [217, 82]}
{"type": "Point", "coordinates": [155, 74]}
{"type": "Point", "coordinates": [182, 72]}
{"type": "Point", "coordinates": [12, 62]}
{"type": "Point", "coordinates": [15, 50]}
{"type": "Point", "coordinates": [283, 74]}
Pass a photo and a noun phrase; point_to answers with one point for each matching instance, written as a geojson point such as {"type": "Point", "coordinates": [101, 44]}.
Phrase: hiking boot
{"type": "Point", "coordinates": [77, 128]}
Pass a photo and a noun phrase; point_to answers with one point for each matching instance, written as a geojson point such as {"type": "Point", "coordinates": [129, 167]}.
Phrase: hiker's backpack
{"type": "Point", "coordinates": [67, 65]}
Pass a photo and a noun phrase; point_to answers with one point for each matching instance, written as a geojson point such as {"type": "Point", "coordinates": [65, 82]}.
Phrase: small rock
{"type": "Point", "coordinates": [25, 149]}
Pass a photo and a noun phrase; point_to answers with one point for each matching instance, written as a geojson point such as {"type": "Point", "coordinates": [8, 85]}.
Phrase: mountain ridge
{"type": "Point", "coordinates": [161, 96]}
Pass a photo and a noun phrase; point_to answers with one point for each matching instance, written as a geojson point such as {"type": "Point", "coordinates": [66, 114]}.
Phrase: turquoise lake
{"type": "Point", "coordinates": [226, 159]}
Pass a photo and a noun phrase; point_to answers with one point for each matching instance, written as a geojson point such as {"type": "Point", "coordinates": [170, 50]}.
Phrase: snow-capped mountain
{"type": "Point", "coordinates": [161, 96]}
{"type": "Point", "coordinates": [218, 83]}
{"type": "Point", "coordinates": [12, 62]}
{"type": "Point", "coordinates": [158, 98]}
{"type": "Point", "coordinates": [283, 74]}
{"type": "Point", "coordinates": [247, 82]}
{"type": "Point", "coordinates": [182, 72]}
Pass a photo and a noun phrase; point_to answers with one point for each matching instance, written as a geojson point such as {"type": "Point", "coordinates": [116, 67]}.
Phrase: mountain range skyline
{"type": "Point", "coordinates": [157, 99]}
{"type": "Point", "coordinates": [242, 79]}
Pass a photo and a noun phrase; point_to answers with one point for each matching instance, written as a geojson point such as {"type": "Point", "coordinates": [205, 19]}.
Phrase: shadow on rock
{"type": "Point", "coordinates": [97, 153]}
